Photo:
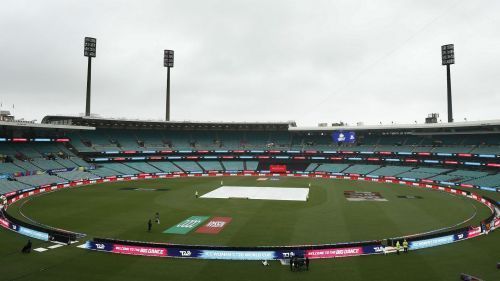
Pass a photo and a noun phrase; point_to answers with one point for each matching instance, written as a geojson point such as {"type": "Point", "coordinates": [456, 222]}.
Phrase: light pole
{"type": "Point", "coordinates": [89, 51]}
{"type": "Point", "coordinates": [448, 58]}
{"type": "Point", "coordinates": [168, 62]}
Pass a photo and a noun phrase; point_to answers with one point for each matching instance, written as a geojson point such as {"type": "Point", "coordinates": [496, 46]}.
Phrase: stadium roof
{"type": "Point", "coordinates": [492, 126]}
{"type": "Point", "coordinates": [486, 126]}
{"type": "Point", "coordinates": [156, 124]}
{"type": "Point", "coordinates": [32, 125]}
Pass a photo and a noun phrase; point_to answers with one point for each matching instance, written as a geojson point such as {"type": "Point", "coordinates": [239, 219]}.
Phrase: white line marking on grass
{"type": "Point", "coordinates": [59, 243]}
{"type": "Point", "coordinates": [55, 246]}
{"type": "Point", "coordinates": [40, 250]}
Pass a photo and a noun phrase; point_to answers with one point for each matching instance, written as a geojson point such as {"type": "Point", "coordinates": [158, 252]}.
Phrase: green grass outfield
{"type": "Point", "coordinates": [107, 211]}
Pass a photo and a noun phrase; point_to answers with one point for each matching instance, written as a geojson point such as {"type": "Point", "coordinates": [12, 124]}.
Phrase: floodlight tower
{"type": "Point", "coordinates": [168, 62]}
{"type": "Point", "coordinates": [448, 58]}
{"type": "Point", "coordinates": [89, 51]}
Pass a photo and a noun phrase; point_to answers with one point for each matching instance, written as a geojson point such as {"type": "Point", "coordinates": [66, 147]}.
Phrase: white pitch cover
{"type": "Point", "coordinates": [260, 193]}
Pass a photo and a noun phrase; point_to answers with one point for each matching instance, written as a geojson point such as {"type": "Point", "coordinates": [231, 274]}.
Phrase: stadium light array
{"type": "Point", "coordinates": [89, 50]}
{"type": "Point", "coordinates": [448, 58]}
{"type": "Point", "coordinates": [168, 62]}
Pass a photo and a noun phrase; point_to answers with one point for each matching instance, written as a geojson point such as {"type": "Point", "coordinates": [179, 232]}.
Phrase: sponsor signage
{"type": "Point", "coordinates": [334, 253]}
{"type": "Point", "coordinates": [277, 168]}
{"type": "Point", "coordinates": [488, 188]}
{"type": "Point", "coordinates": [288, 254]}
{"type": "Point", "coordinates": [461, 235]}
{"type": "Point", "coordinates": [61, 170]}
{"type": "Point", "coordinates": [215, 225]}
{"type": "Point", "coordinates": [4, 223]}
{"type": "Point", "coordinates": [230, 254]}
{"type": "Point", "coordinates": [427, 243]}
{"type": "Point", "coordinates": [363, 196]}
{"type": "Point", "coordinates": [237, 255]}
{"type": "Point", "coordinates": [33, 233]}
{"type": "Point", "coordinates": [349, 137]}
{"type": "Point", "coordinates": [184, 253]}
{"type": "Point", "coordinates": [186, 225]}
{"type": "Point", "coordinates": [375, 249]}
{"type": "Point", "coordinates": [474, 232]}
{"type": "Point", "coordinates": [139, 250]}
{"type": "Point", "coordinates": [91, 245]}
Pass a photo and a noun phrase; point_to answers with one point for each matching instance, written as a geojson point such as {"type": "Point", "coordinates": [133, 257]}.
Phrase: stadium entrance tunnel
{"type": "Point", "coordinates": [333, 250]}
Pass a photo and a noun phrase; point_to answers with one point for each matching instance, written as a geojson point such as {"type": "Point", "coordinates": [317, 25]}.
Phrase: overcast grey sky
{"type": "Point", "coordinates": [308, 61]}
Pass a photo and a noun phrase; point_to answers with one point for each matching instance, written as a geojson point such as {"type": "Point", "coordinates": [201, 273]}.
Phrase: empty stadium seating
{"type": "Point", "coordinates": [10, 168]}
{"type": "Point", "coordinates": [9, 186]}
{"type": "Point", "coordinates": [423, 173]}
{"type": "Point", "coordinates": [167, 167]}
{"type": "Point", "coordinates": [390, 171]}
{"type": "Point", "coordinates": [121, 169]}
{"type": "Point", "coordinates": [233, 165]}
{"type": "Point", "coordinates": [105, 172]}
{"type": "Point", "coordinates": [143, 167]}
{"type": "Point", "coordinates": [28, 158]}
{"type": "Point", "coordinates": [76, 175]}
{"type": "Point", "coordinates": [188, 166]}
{"type": "Point", "coordinates": [488, 181]}
{"type": "Point", "coordinates": [332, 168]}
{"type": "Point", "coordinates": [311, 167]}
{"type": "Point", "coordinates": [251, 165]}
{"type": "Point", "coordinates": [211, 165]}
{"type": "Point", "coordinates": [361, 169]}
{"type": "Point", "coordinates": [42, 179]}
{"type": "Point", "coordinates": [44, 164]}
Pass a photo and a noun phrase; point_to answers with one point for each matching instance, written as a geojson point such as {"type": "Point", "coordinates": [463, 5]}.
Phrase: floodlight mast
{"type": "Point", "coordinates": [89, 51]}
{"type": "Point", "coordinates": [448, 58]}
{"type": "Point", "coordinates": [168, 62]}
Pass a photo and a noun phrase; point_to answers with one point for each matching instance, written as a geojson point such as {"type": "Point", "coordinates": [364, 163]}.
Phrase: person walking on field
{"type": "Point", "coordinates": [405, 246]}
{"type": "Point", "coordinates": [157, 217]}
{"type": "Point", "coordinates": [398, 247]}
{"type": "Point", "coordinates": [27, 249]}
{"type": "Point", "coordinates": [150, 225]}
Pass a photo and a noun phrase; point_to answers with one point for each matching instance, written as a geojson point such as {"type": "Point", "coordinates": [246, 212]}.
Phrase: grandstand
{"type": "Point", "coordinates": [332, 168]}
{"type": "Point", "coordinates": [251, 165]}
{"type": "Point", "coordinates": [233, 165]}
{"type": "Point", "coordinates": [361, 169]}
{"type": "Point", "coordinates": [391, 171]}
{"type": "Point", "coordinates": [41, 179]}
{"type": "Point", "coordinates": [188, 166]}
{"type": "Point", "coordinates": [7, 186]}
{"type": "Point", "coordinates": [26, 165]}
{"type": "Point", "coordinates": [104, 172]}
{"type": "Point", "coordinates": [414, 152]}
{"type": "Point", "coordinates": [166, 167]}
{"type": "Point", "coordinates": [488, 181]}
{"type": "Point", "coordinates": [211, 165]}
{"type": "Point", "coordinates": [143, 167]}
{"type": "Point", "coordinates": [10, 168]}
{"type": "Point", "coordinates": [76, 175]}
{"type": "Point", "coordinates": [121, 169]}
{"type": "Point", "coordinates": [422, 173]}
{"type": "Point", "coordinates": [311, 167]}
